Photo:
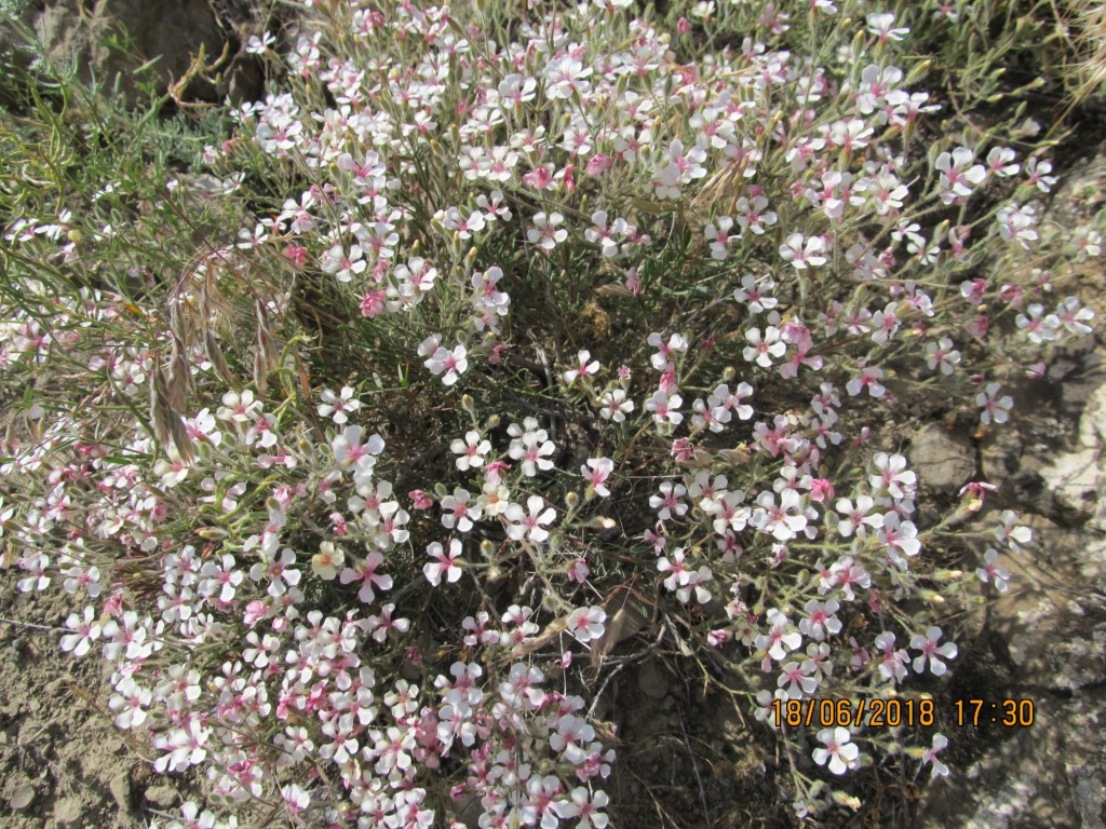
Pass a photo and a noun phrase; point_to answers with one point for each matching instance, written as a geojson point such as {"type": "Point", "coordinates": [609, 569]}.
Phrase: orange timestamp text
{"type": "Point", "coordinates": [895, 712]}
{"type": "Point", "coordinates": [876, 713]}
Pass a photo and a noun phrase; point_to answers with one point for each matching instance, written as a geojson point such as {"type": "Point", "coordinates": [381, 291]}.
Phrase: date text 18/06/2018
{"type": "Point", "coordinates": [892, 713]}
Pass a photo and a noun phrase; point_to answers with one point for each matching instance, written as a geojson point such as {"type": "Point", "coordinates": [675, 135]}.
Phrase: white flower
{"type": "Point", "coordinates": [930, 650]}
{"type": "Point", "coordinates": [762, 348]}
{"type": "Point", "coordinates": [546, 233]}
{"type": "Point", "coordinates": [450, 364]}
{"type": "Point", "coordinates": [597, 471]}
{"type": "Point", "coordinates": [992, 572]}
{"type": "Point", "coordinates": [443, 564]}
{"type": "Point", "coordinates": [85, 632]}
{"type": "Point", "coordinates": [664, 408]}
{"type": "Point", "coordinates": [584, 366]}
{"type": "Point", "coordinates": [586, 623]}
{"type": "Point", "coordinates": [529, 524]}
{"type": "Point", "coordinates": [615, 405]}
{"type": "Point", "coordinates": [803, 255]}
{"type": "Point", "coordinates": [470, 451]}
{"type": "Point", "coordinates": [995, 408]}
{"type": "Point", "coordinates": [336, 406]}
{"type": "Point", "coordinates": [837, 749]}
{"type": "Point", "coordinates": [930, 756]}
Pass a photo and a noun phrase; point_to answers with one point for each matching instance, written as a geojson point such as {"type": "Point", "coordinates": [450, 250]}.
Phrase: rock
{"type": "Point", "coordinates": [22, 798]}
{"type": "Point", "coordinates": [164, 796]}
{"type": "Point", "coordinates": [651, 680]}
{"type": "Point", "coordinates": [1073, 479]}
{"type": "Point", "coordinates": [1092, 425]}
{"type": "Point", "coordinates": [943, 460]}
{"type": "Point", "coordinates": [120, 787]}
{"type": "Point", "coordinates": [69, 812]}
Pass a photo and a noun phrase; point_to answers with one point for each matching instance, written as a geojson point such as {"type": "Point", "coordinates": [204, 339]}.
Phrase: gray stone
{"type": "Point", "coordinates": [1073, 478]}
{"type": "Point", "coordinates": [162, 795]}
{"type": "Point", "coordinates": [22, 798]}
{"type": "Point", "coordinates": [944, 461]}
{"type": "Point", "coordinates": [69, 812]}
{"type": "Point", "coordinates": [120, 787]}
{"type": "Point", "coordinates": [651, 680]}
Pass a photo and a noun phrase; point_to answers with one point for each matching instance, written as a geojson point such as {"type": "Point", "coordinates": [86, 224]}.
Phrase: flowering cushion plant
{"type": "Point", "coordinates": [601, 321]}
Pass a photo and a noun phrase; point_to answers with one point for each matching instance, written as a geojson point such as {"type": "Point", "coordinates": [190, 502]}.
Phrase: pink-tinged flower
{"type": "Point", "coordinates": [598, 164]}
{"type": "Point", "coordinates": [669, 501]}
{"type": "Point", "coordinates": [762, 348]}
{"type": "Point", "coordinates": [995, 408]}
{"type": "Point", "coordinates": [930, 756]}
{"type": "Point", "coordinates": [959, 176]}
{"type": "Point", "coordinates": [899, 536]}
{"type": "Point", "coordinates": [664, 359]}
{"type": "Point", "coordinates": [367, 575]}
{"type": "Point", "coordinates": [859, 518]}
{"type": "Point", "coordinates": [221, 578]}
{"type": "Point", "coordinates": [279, 572]}
{"type": "Point", "coordinates": [131, 701]}
{"type": "Point", "coordinates": [420, 500]}
{"type": "Point", "coordinates": [85, 629]}
{"type": "Point", "coordinates": [586, 623]}
{"type": "Point", "coordinates": [892, 663]}
{"type": "Point", "coordinates": [579, 571]}
{"type": "Point", "coordinates": [821, 490]}
{"type": "Point", "coordinates": [798, 679]}
{"type": "Point", "coordinates": [470, 451]}
{"type": "Point", "coordinates": [781, 637]}
{"type": "Point", "coordinates": [821, 619]}
{"type": "Point", "coordinates": [530, 524]}
{"type": "Point", "coordinates": [894, 478]}
{"type": "Point", "coordinates": [546, 233]}
{"type": "Point", "coordinates": [349, 451]}
{"type": "Point", "coordinates": [597, 471]}
{"type": "Point", "coordinates": [584, 807]}
{"type": "Point", "coordinates": [585, 365]}
{"type": "Point", "coordinates": [255, 612]}
{"type": "Point", "coordinates": [341, 265]}
{"type": "Point", "coordinates": [868, 378]}
{"type": "Point", "coordinates": [754, 293]}
{"type": "Point", "coordinates": [458, 510]}
{"type": "Point", "coordinates": [931, 650]}
{"type": "Point", "coordinates": [836, 749]}
{"type": "Point", "coordinates": [337, 406]}
{"type": "Point", "coordinates": [615, 405]}
{"type": "Point", "coordinates": [449, 364]}
{"type": "Point", "coordinates": [1011, 535]}
{"type": "Point", "coordinates": [783, 521]}
{"type": "Point", "coordinates": [803, 254]}
{"type": "Point", "coordinates": [665, 408]}
{"type": "Point", "coordinates": [444, 563]}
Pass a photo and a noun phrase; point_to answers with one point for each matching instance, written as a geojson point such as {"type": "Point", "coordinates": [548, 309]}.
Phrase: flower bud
{"type": "Point", "coordinates": [572, 500]}
{"type": "Point", "coordinates": [467, 403]}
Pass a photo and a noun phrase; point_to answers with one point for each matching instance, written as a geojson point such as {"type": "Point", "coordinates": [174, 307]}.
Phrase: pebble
{"type": "Point", "coordinates": [69, 812]}
{"type": "Point", "coordinates": [160, 795]}
{"type": "Point", "coordinates": [120, 787]}
{"type": "Point", "coordinates": [22, 798]}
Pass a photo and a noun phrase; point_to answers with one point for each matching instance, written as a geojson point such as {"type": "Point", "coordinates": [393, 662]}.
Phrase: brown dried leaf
{"type": "Point", "coordinates": [179, 377]}
{"type": "Point", "coordinates": [215, 354]}
{"type": "Point", "coordinates": [626, 616]}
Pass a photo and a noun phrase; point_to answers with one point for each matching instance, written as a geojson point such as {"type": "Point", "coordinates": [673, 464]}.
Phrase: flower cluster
{"type": "Point", "coordinates": [345, 562]}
